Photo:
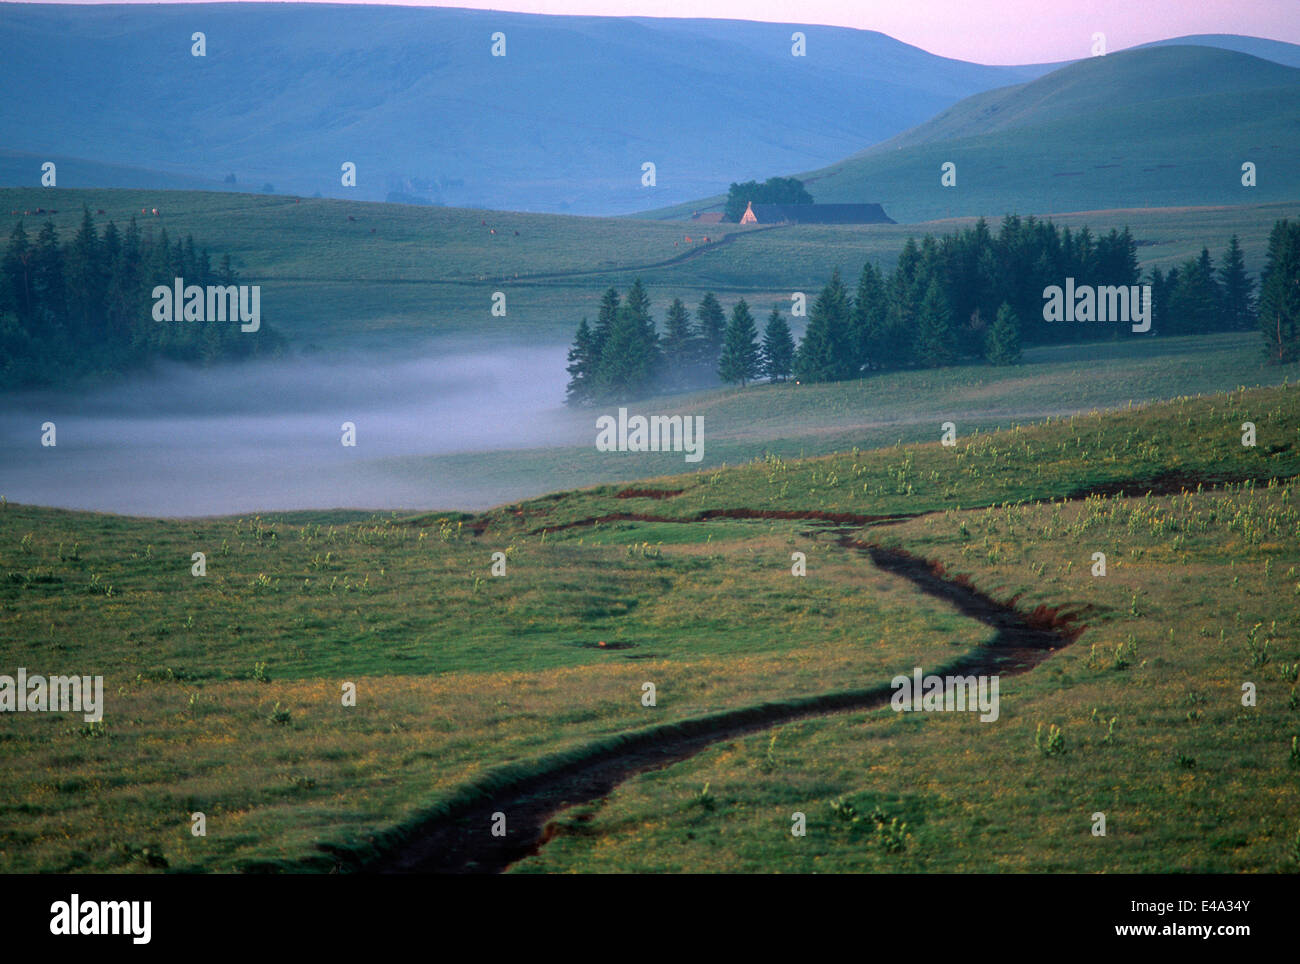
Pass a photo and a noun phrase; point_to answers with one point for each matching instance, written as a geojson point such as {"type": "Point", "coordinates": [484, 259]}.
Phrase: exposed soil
{"type": "Point", "coordinates": [462, 842]}
{"type": "Point", "coordinates": [839, 518]}
{"type": "Point", "coordinates": [605, 644]}
{"type": "Point", "coordinates": [1166, 483]}
{"type": "Point", "coordinates": [648, 493]}
{"type": "Point", "coordinates": [1171, 483]}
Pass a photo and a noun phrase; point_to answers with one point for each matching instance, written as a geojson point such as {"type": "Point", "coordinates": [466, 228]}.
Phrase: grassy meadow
{"type": "Point", "coordinates": [1201, 596]}
{"type": "Point", "coordinates": [796, 421]}
{"type": "Point", "coordinates": [223, 692]}
{"type": "Point", "coordinates": [333, 270]}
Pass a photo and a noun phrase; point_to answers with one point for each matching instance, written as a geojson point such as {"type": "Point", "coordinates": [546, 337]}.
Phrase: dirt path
{"type": "Point", "coordinates": [1165, 483]}
{"type": "Point", "coordinates": [462, 842]}
{"type": "Point", "coordinates": [809, 515]}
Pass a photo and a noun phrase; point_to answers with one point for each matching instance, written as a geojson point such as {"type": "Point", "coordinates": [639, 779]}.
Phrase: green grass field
{"type": "Point", "coordinates": [792, 421]}
{"type": "Point", "coordinates": [223, 692]}
{"type": "Point", "coordinates": [405, 270]}
{"type": "Point", "coordinates": [1201, 596]}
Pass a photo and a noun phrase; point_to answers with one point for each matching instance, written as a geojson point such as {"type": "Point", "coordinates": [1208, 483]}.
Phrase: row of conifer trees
{"type": "Point", "coordinates": [971, 295]}
{"type": "Point", "coordinates": [70, 308]}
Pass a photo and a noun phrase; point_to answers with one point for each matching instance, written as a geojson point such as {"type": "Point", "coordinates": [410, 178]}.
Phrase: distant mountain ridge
{"type": "Point", "coordinates": [564, 122]}
{"type": "Point", "coordinates": [413, 96]}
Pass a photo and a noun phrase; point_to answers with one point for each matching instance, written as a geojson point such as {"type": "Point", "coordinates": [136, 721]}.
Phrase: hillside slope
{"type": "Point", "coordinates": [1276, 50]}
{"type": "Point", "coordinates": [563, 122]}
{"type": "Point", "coordinates": [336, 269]}
{"type": "Point", "coordinates": [1155, 127]}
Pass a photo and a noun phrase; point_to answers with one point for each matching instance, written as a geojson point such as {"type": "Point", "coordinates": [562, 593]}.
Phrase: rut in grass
{"type": "Point", "coordinates": [460, 840]}
{"type": "Point", "coordinates": [1166, 483]}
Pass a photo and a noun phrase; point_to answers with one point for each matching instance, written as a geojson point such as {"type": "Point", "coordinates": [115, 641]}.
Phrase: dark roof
{"type": "Point", "coordinates": [822, 214]}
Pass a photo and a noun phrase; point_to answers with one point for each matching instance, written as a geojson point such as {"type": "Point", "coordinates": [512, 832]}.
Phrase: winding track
{"type": "Point", "coordinates": [461, 842]}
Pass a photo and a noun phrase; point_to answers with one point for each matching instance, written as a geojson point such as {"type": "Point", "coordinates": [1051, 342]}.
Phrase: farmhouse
{"type": "Point", "coordinates": [815, 214]}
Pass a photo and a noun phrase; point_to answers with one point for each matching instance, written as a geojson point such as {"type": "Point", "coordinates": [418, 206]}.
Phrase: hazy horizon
{"type": "Point", "coordinates": [994, 34]}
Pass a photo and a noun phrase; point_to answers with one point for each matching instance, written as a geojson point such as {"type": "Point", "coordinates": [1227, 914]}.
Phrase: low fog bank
{"type": "Point", "coordinates": [267, 435]}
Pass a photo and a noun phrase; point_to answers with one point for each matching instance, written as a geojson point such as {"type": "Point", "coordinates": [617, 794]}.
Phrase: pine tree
{"type": "Point", "coordinates": [129, 281]}
{"type": "Point", "coordinates": [85, 279]}
{"type": "Point", "coordinates": [1211, 293]}
{"type": "Point", "coordinates": [826, 353]}
{"type": "Point", "coordinates": [581, 367]}
{"type": "Point", "coordinates": [48, 288]}
{"type": "Point", "coordinates": [678, 342]}
{"type": "Point", "coordinates": [627, 361]}
{"type": "Point", "coordinates": [1002, 344]}
{"type": "Point", "coordinates": [1158, 298]}
{"type": "Point", "coordinates": [1195, 301]}
{"type": "Point", "coordinates": [868, 335]}
{"type": "Point", "coordinates": [1279, 297]}
{"type": "Point", "coordinates": [778, 348]}
{"type": "Point", "coordinates": [897, 348]}
{"type": "Point", "coordinates": [605, 317]}
{"type": "Point", "coordinates": [17, 272]}
{"type": "Point", "coordinates": [1238, 290]}
{"type": "Point", "coordinates": [739, 361]}
{"type": "Point", "coordinates": [934, 335]}
{"type": "Point", "coordinates": [713, 324]}
{"type": "Point", "coordinates": [638, 303]}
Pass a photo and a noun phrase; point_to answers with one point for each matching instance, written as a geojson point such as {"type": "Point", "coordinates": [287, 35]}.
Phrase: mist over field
{"type": "Point", "coordinates": [267, 435]}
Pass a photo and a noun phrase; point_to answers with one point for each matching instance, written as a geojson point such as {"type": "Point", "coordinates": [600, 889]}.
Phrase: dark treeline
{"type": "Point", "coordinates": [775, 190]}
{"type": "Point", "coordinates": [624, 353]}
{"type": "Point", "coordinates": [85, 306]}
{"type": "Point", "coordinates": [971, 295]}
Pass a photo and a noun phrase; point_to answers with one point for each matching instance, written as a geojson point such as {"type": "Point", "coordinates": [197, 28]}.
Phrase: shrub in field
{"type": "Point", "coordinates": [1049, 742]}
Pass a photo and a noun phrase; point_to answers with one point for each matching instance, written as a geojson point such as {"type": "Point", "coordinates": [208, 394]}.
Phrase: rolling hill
{"type": "Point", "coordinates": [333, 270]}
{"type": "Point", "coordinates": [1276, 50]}
{"type": "Point", "coordinates": [1161, 126]}
{"type": "Point", "coordinates": [413, 96]}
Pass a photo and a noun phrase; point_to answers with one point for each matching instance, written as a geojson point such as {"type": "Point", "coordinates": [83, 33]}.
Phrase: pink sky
{"type": "Point", "coordinates": [985, 31]}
